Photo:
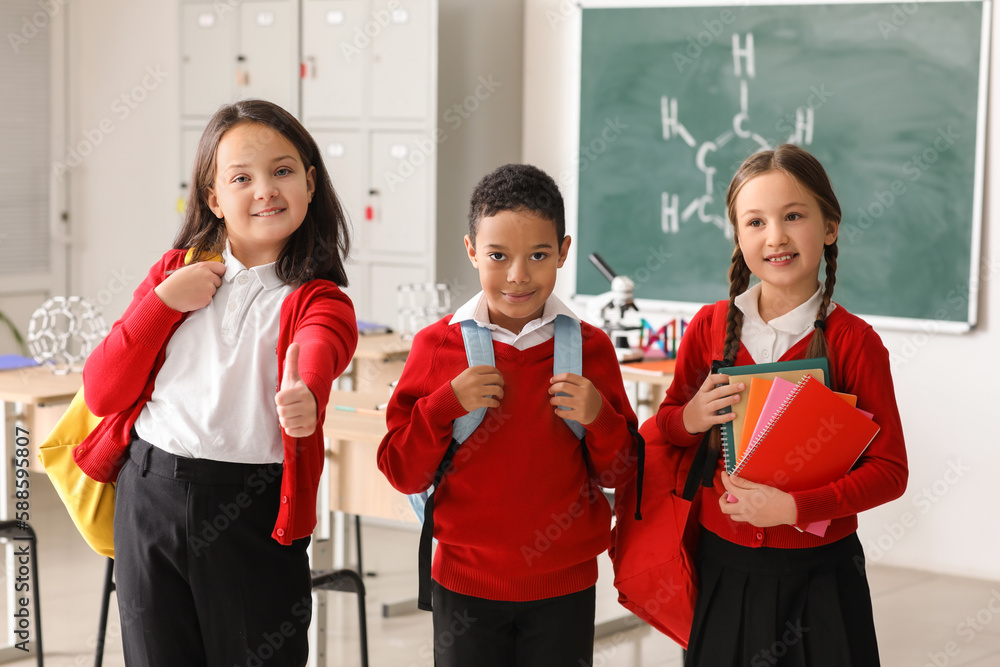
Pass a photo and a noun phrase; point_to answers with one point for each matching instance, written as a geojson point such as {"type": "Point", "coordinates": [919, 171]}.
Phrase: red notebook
{"type": "Point", "coordinates": [813, 439]}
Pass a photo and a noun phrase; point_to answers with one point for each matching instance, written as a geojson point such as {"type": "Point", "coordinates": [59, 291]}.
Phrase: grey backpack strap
{"type": "Point", "coordinates": [568, 357]}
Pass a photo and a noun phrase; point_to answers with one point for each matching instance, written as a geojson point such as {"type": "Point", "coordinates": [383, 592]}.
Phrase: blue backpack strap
{"type": "Point", "coordinates": [479, 350]}
{"type": "Point", "coordinates": [568, 358]}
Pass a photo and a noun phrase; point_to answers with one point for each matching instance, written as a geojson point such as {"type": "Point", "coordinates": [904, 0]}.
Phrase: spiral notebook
{"type": "Point", "coordinates": [814, 438]}
{"type": "Point", "coordinates": [792, 371]}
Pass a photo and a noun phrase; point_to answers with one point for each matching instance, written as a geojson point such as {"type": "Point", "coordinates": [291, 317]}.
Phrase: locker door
{"type": "Point", "coordinates": [401, 59]}
{"type": "Point", "coordinates": [385, 278]}
{"type": "Point", "coordinates": [401, 167]}
{"type": "Point", "coordinates": [269, 49]}
{"type": "Point", "coordinates": [345, 158]}
{"type": "Point", "coordinates": [208, 69]}
{"type": "Point", "coordinates": [333, 57]}
{"type": "Point", "coordinates": [189, 146]}
{"type": "Point", "coordinates": [359, 289]}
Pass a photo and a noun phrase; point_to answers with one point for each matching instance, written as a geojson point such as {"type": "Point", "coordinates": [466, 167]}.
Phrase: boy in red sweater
{"type": "Point", "coordinates": [519, 516]}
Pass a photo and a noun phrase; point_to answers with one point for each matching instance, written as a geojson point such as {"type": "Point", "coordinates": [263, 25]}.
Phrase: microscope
{"type": "Point", "coordinates": [614, 305]}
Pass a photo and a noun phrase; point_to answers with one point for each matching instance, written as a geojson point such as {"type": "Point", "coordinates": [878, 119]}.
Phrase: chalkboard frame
{"type": "Point", "coordinates": [572, 186]}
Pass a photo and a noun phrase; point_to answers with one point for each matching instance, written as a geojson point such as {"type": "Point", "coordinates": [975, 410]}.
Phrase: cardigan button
{"type": "Point", "coordinates": [760, 536]}
{"type": "Point", "coordinates": [281, 532]}
{"type": "Point", "coordinates": [284, 500]}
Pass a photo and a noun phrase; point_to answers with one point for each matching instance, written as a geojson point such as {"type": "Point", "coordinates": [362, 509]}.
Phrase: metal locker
{"type": "Point", "coordinates": [333, 58]}
{"type": "Point", "coordinates": [402, 164]}
{"type": "Point", "coordinates": [344, 156]}
{"type": "Point", "coordinates": [267, 60]}
{"type": "Point", "coordinates": [208, 70]}
{"type": "Point", "coordinates": [401, 76]}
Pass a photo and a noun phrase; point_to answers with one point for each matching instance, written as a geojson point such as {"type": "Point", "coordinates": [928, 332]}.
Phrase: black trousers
{"type": "Point", "coordinates": [473, 632]}
{"type": "Point", "coordinates": [200, 581]}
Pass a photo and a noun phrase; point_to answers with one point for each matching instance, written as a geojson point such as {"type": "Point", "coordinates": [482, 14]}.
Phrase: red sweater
{"type": "Point", "coordinates": [521, 516]}
{"type": "Point", "coordinates": [859, 365]}
{"type": "Point", "coordinates": [120, 374]}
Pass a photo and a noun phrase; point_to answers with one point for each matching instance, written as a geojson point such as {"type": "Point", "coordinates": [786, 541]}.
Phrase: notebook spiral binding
{"type": "Point", "coordinates": [752, 447]}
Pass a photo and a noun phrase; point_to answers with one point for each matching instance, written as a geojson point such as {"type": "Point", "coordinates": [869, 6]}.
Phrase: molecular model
{"type": "Point", "coordinates": [671, 214]}
{"type": "Point", "coordinates": [63, 331]}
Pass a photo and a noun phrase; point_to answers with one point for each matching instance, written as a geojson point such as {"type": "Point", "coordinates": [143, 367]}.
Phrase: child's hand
{"type": "Point", "coordinates": [584, 401]}
{"type": "Point", "coordinates": [759, 505]}
{"type": "Point", "coordinates": [191, 287]}
{"type": "Point", "coordinates": [700, 412]}
{"type": "Point", "coordinates": [478, 387]}
{"type": "Point", "coordinates": [296, 404]}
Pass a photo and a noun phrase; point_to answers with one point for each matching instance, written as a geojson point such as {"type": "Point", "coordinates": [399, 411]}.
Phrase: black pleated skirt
{"type": "Point", "coordinates": [788, 607]}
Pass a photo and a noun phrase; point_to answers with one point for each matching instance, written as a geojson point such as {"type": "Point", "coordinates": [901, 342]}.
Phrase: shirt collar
{"type": "Point", "coordinates": [796, 321]}
{"type": "Point", "coordinates": [477, 309]}
{"type": "Point", "coordinates": [265, 274]}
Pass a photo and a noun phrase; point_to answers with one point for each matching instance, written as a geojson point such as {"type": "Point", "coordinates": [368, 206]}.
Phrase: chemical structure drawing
{"type": "Point", "coordinates": [744, 68]}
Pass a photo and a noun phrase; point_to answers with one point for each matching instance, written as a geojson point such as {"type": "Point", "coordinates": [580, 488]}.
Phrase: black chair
{"type": "Point", "coordinates": [22, 531]}
{"type": "Point", "coordinates": [347, 581]}
{"type": "Point", "coordinates": [102, 622]}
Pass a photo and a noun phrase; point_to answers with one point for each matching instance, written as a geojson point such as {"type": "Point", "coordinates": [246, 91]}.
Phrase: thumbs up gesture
{"type": "Point", "coordinates": [296, 404]}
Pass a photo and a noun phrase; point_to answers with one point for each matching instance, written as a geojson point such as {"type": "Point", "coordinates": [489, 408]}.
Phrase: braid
{"type": "Point", "coordinates": [739, 279]}
{"type": "Point", "coordinates": [817, 346]}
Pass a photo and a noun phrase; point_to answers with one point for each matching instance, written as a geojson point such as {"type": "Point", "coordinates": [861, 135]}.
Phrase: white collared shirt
{"type": "Point", "coordinates": [214, 394]}
{"type": "Point", "coordinates": [767, 341]}
{"type": "Point", "coordinates": [535, 332]}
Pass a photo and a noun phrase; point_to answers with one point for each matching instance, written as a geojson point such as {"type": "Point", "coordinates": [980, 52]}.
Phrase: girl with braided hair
{"type": "Point", "coordinates": [770, 593]}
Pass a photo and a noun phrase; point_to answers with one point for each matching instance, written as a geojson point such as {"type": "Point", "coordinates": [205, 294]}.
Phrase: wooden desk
{"type": "Point", "coordinates": [657, 383]}
{"type": "Point", "coordinates": [356, 484]}
{"type": "Point", "coordinates": [377, 361]}
{"type": "Point", "coordinates": [33, 398]}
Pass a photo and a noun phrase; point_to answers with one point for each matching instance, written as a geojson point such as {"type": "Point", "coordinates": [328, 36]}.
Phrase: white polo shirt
{"type": "Point", "coordinates": [214, 395]}
{"type": "Point", "coordinates": [767, 341]}
{"type": "Point", "coordinates": [535, 332]}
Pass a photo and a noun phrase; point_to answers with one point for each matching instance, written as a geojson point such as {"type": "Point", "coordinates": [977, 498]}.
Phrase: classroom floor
{"type": "Point", "coordinates": [923, 619]}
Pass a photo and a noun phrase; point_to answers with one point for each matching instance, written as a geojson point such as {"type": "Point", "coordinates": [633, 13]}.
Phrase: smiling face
{"type": "Point", "coordinates": [517, 254]}
{"type": "Point", "coordinates": [262, 190]}
{"type": "Point", "coordinates": [782, 233]}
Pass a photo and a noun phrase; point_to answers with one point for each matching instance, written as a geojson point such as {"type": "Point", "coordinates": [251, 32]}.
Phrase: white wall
{"type": "Point", "coordinates": [124, 75]}
{"type": "Point", "coordinates": [946, 521]}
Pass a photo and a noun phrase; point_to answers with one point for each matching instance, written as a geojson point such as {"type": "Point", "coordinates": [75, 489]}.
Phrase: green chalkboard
{"type": "Point", "coordinates": [889, 97]}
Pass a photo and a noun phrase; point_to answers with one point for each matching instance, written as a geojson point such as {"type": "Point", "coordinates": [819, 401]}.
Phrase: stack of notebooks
{"type": "Point", "coordinates": [791, 431]}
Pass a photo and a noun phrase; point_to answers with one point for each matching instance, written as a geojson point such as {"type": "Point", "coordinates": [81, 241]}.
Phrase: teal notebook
{"type": "Point", "coordinates": [793, 371]}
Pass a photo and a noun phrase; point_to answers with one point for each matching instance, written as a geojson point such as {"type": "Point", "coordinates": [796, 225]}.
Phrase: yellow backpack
{"type": "Point", "coordinates": [91, 504]}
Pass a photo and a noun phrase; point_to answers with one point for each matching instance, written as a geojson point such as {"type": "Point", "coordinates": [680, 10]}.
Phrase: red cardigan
{"type": "Point", "coordinates": [521, 516]}
{"type": "Point", "coordinates": [120, 374]}
{"type": "Point", "coordinates": [859, 365]}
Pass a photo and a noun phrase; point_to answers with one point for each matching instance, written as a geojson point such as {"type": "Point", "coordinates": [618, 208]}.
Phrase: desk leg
{"type": "Point", "coordinates": [320, 558]}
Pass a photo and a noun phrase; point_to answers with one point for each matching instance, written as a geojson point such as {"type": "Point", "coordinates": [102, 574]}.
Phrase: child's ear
{"type": "Point", "coordinates": [564, 251]}
{"type": "Point", "coordinates": [471, 249]}
{"type": "Point", "coordinates": [311, 182]}
{"type": "Point", "coordinates": [213, 202]}
{"type": "Point", "coordinates": [832, 230]}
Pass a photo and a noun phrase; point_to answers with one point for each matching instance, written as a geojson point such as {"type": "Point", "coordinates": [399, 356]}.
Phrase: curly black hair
{"type": "Point", "coordinates": [517, 187]}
